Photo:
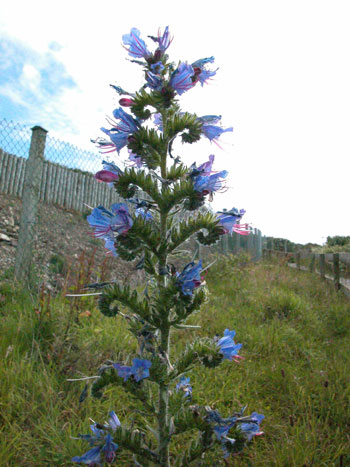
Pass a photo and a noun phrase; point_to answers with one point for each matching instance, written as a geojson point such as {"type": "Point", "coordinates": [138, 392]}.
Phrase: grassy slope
{"type": "Point", "coordinates": [295, 333]}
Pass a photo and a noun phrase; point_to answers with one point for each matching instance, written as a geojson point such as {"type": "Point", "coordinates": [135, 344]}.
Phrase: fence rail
{"type": "Point", "coordinates": [68, 188]}
{"type": "Point", "coordinates": [331, 266]}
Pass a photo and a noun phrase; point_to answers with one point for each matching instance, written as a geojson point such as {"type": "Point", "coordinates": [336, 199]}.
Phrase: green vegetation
{"type": "Point", "coordinates": [295, 331]}
{"type": "Point", "coordinates": [336, 244]}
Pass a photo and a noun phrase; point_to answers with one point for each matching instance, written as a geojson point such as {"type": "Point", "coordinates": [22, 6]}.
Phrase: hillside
{"type": "Point", "coordinates": [63, 240]}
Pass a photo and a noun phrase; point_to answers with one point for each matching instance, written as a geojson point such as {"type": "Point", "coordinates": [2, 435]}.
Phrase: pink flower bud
{"type": "Point", "coordinates": [106, 176]}
{"type": "Point", "coordinates": [126, 102]}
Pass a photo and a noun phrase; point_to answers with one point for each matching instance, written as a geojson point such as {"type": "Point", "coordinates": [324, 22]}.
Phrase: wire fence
{"type": "Point", "coordinates": [40, 175]}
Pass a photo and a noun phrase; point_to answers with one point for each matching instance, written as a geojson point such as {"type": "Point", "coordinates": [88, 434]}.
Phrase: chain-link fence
{"type": "Point", "coordinates": [46, 188]}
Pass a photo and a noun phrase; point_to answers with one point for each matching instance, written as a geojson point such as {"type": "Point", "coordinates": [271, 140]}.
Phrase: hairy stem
{"type": "Point", "coordinates": [163, 422]}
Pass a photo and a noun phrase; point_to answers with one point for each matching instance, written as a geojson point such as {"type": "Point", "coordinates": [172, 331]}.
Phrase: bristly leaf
{"type": "Point", "coordinates": [142, 100]}
{"type": "Point", "coordinates": [185, 124]}
{"type": "Point", "coordinates": [147, 144]}
{"type": "Point", "coordinates": [185, 229]}
{"type": "Point", "coordinates": [126, 297]}
{"type": "Point", "coordinates": [127, 184]}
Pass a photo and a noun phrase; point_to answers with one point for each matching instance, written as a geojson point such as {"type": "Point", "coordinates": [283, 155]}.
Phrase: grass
{"type": "Point", "coordinates": [295, 332]}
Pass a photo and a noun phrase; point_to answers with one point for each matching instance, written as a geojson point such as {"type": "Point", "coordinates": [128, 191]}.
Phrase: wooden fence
{"type": "Point", "coordinates": [36, 180]}
{"type": "Point", "coordinates": [59, 185]}
{"type": "Point", "coordinates": [334, 267]}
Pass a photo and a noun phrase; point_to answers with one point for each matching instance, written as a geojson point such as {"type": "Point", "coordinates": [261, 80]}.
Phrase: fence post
{"type": "Point", "coordinates": [259, 252]}
{"type": "Point", "coordinates": [30, 201]}
{"type": "Point", "coordinates": [322, 265]}
{"type": "Point", "coordinates": [285, 246]}
{"type": "Point", "coordinates": [336, 270]}
{"type": "Point", "coordinates": [237, 243]}
{"type": "Point", "coordinates": [250, 244]}
{"type": "Point", "coordinates": [298, 259]}
{"type": "Point", "coordinates": [312, 263]}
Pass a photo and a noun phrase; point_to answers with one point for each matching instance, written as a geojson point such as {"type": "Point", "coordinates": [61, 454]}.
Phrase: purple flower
{"type": "Point", "coordinates": [140, 368]}
{"type": "Point", "coordinates": [228, 347]}
{"type": "Point", "coordinates": [208, 184]}
{"type": "Point", "coordinates": [252, 428]}
{"type": "Point", "coordinates": [181, 79]}
{"type": "Point", "coordinates": [137, 47]}
{"type": "Point", "coordinates": [109, 174]}
{"type": "Point", "coordinates": [184, 385]}
{"type": "Point", "coordinates": [190, 278]}
{"type": "Point", "coordinates": [154, 81]}
{"type": "Point", "coordinates": [104, 222]}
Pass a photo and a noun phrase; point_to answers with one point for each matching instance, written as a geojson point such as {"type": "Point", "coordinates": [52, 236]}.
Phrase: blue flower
{"type": "Point", "coordinates": [164, 40]}
{"type": "Point", "coordinates": [119, 133]}
{"type": "Point", "coordinates": [123, 371]}
{"type": "Point", "coordinates": [91, 457]}
{"type": "Point", "coordinates": [137, 47]}
{"type": "Point", "coordinates": [143, 213]}
{"type": "Point", "coordinates": [109, 449]}
{"type": "Point", "coordinates": [120, 90]}
{"type": "Point", "coordinates": [209, 129]}
{"type": "Point", "coordinates": [202, 74]}
{"type": "Point", "coordinates": [110, 243]}
{"type": "Point", "coordinates": [113, 421]}
{"type": "Point", "coordinates": [135, 159]}
{"type": "Point", "coordinates": [154, 81]}
{"type": "Point", "coordinates": [209, 119]}
{"type": "Point", "coordinates": [212, 132]}
{"type": "Point", "coordinates": [229, 220]}
{"type": "Point", "coordinates": [157, 118]}
{"type": "Point", "coordinates": [203, 61]}
{"type": "Point", "coordinates": [104, 441]}
{"type": "Point", "coordinates": [208, 184]}
{"type": "Point", "coordinates": [127, 124]}
{"type": "Point", "coordinates": [228, 347]}
{"type": "Point", "coordinates": [252, 428]}
{"type": "Point", "coordinates": [181, 79]}
{"type": "Point", "coordinates": [140, 368]}
{"type": "Point", "coordinates": [190, 278]}
{"type": "Point", "coordinates": [203, 169]}
{"type": "Point", "coordinates": [157, 68]}
{"type": "Point", "coordinates": [184, 385]}
{"type": "Point", "coordinates": [104, 222]}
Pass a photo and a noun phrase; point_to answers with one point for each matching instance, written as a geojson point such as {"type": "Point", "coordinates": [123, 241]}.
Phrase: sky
{"type": "Point", "coordinates": [282, 84]}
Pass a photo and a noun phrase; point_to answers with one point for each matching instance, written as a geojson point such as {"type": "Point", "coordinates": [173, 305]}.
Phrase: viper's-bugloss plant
{"type": "Point", "coordinates": [161, 212]}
